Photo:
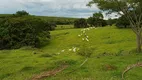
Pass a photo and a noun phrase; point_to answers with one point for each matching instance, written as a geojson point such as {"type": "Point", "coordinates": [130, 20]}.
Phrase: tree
{"type": "Point", "coordinates": [98, 15]}
{"type": "Point", "coordinates": [96, 20]}
{"type": "Point", "coordinates": [16, 32]}
{"type": "Point", "coordinates": [122, 22]}
{"type": "Point", "coordinates": [90, 21]}
{"type": "Point", "coordinates": [111, 21]}
{"type": "Point", "coordinates": [22, 13]}
{"type": "Point", "coordinates": [131, 8]}
{"type": "Point", "coordinates": [80, 23]}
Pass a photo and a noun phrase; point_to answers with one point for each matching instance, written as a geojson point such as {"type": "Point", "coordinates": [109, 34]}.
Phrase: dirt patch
{"type": "Point", "coordinates": [49, 73]}
{"type": "Point", "coordinates": [109, 67]}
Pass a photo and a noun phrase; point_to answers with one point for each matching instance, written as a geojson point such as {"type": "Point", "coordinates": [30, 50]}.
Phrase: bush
{"type": "Point", "coordinates": [85, 51]}
{"type": "Point", "coordinates": [16, 32]}
{"type": "Point", "coordinates": [80, 23]}
{"type": "Point", "coordinates": [51, 25]}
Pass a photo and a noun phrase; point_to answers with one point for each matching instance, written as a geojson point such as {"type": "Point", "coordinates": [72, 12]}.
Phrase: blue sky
{"type": "Point", "coordinates": [62, 8]}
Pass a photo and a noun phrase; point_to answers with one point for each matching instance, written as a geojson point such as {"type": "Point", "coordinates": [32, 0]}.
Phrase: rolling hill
{"type": "Point", "coordinates": [112, 51]}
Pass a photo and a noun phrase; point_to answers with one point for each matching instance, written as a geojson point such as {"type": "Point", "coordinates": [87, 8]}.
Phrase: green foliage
{"type": "Point", "coordinates": [111, 21]}
{"type": "Point", "coordinates": [122, 22]}
{"type": "Point", "coordinates": [96, 20]}
{"type": "Point", "coordinates": [109, 5]}
{"type": "Point", "coordinates": [61, 27]}
{"type": "Point", "coordinates": [80, 23]}
{"type": "Point", "coordinates": [91, 21]}
{"type": "Point", "coordinates": [22, 31]}
{"type": "Point", "coordinates": [22, 64]}
{"type": "Point", "coordinates": [85, 51]}
{"type": "Point", "coordinates": [5, 15]}
{"type": "Point", "coordinates": [52, 26]}
{"type": "Point", "coordinates": [21, 13]}
{"type": "Point", "coordinates": [129, 10]}
{"type": "Point", "coordinates": [132, 10]}
{"type": "Point", "coordinates": [58, 20]}
{"type": "Point", "coordinates": [55, 20]}
{"type": "Point", "coordinates": [98, 15]}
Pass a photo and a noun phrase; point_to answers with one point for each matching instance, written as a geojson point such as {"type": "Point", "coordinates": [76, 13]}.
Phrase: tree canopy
{"type": "Point", "coordinates": [98, 15]}
{"type": "Point", "coordinates": [80, 23]}
{"type": "Point", "coordinates": [21, 13]}
{"type": "Point", "coordinates": [96, 20]}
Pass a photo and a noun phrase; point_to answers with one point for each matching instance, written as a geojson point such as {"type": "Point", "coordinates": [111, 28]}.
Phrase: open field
{"type": "Point", "coordinates": [113, 50]}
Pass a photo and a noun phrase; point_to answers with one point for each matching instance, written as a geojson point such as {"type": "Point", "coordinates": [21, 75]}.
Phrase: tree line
{"type": "Point", "coordinates": [97, 20]}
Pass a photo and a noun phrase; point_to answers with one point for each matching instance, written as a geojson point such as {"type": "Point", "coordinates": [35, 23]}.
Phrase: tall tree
{"type": "Point", "coordinates": [90, 21]}
{"type": "Point", "coordinates": [98, 15]}
{"type": "Point", "coordinates": [96, 20]}
{"type": "Point", "coordinates": [131, 8]}
{"type": "Point", "coordinates": [122, 22]}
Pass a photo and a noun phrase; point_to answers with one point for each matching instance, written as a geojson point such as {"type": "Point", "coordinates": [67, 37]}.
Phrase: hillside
{"type": "Point", "coordinates": [50, 18]}
{"type": "Point", "coordinates": [112, 51]}
{"type": "Point", "coordinates": [4, 15]}
{"type": "Point", "coordinates": [60, 20]}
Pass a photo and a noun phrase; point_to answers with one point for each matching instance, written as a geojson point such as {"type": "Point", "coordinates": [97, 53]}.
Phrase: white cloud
{"type": "Point", "coordinates": [66, 8]}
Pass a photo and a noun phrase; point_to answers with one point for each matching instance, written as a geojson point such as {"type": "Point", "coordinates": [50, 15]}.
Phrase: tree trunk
{"type": "Point", "coordinates": [139, 42]}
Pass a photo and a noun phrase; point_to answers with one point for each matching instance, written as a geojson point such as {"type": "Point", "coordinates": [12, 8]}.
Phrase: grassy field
{"type": "Point", "coordinates": [112, 51]}
{"type": "Point", "coordinates": [4, 15]}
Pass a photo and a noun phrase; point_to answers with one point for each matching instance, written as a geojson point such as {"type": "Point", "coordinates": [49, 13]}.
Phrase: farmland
{"type": "Point", "coordinates": [71, 40]}
{"type": "Point", "coordinates": [112, 49]}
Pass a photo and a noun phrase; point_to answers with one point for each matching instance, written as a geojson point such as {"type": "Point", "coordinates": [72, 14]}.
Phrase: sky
{"type": "Point", "coordinates": [59, 8]}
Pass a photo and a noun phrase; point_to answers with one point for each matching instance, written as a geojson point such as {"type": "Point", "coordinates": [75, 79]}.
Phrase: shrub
{"type": "Point", "coordinates": [85, 51]}
{"type": "Point", "coordinates": [80, 23]}
{"type": "Point", "coordinates": [16, 32]}
{"type": "Point", "coordinates": [51, 25]}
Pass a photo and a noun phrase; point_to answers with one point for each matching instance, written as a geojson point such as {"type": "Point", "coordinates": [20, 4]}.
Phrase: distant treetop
{"type": "Point", "coordinates": [22, 13]}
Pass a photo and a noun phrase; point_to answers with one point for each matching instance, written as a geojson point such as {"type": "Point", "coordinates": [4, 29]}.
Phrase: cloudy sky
{"type": "Point", "coordinates": [63, 8]}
